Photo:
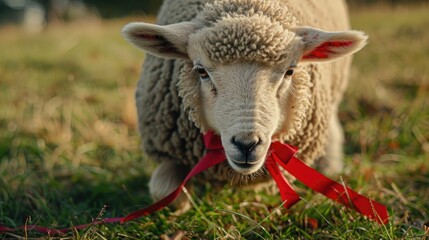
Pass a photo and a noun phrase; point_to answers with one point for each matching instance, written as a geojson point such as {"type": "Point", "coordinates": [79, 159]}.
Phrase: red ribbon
{"type": "Point", "coordinates": [283, 154]}
{"type": "Point", "coordinates": [214, 155]}
{"type": "Point", "coordinates": [280, 155]}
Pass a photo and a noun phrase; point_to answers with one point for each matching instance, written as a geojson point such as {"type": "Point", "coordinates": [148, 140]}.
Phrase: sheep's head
{"type": "Point", "coordinates": [239, 75]}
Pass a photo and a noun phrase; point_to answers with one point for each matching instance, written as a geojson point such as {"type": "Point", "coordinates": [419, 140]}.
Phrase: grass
{"type": "Point", "coordinates": [69, 150]}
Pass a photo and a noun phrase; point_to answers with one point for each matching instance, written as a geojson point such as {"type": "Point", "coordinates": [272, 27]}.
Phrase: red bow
{"type": "Point", "coordinates": [280, 154]}
{"type": "Point", "coordinates": [283, 155]}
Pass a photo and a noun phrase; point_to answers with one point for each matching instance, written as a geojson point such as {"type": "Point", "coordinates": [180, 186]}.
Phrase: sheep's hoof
{"type": "Point", "coordinates": [181, 206]}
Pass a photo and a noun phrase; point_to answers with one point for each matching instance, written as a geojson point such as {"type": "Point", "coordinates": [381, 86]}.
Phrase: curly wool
{"type": "Point", "coordinates": [247, 38]}
{"type": "Point", "coordinates": [221, 9]}
{"type": "Point", "coordinates": [168, 101]}
{"type": "Point", "coordinates": [246, 30]}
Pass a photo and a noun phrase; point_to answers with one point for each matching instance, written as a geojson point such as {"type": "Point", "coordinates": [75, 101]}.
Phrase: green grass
{"type": "Point", "coordinates": [69, 147]}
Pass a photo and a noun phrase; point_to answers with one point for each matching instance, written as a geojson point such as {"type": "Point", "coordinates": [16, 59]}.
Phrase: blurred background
{"type": "Point", "coordinates": [68, 138]}
{"type": "Point", "coordinates": [35, 14]}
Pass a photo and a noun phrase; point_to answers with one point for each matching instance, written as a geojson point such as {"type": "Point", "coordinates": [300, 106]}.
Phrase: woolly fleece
{"type": "Point", "coordinates": [167, 97]}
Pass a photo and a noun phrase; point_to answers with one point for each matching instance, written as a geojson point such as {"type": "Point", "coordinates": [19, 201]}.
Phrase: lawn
{"type": "Point", "coordinates": [69, 149]}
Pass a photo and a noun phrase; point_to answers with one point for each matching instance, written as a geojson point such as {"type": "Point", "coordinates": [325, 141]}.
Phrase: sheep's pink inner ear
{"type": "Point", "coordinates": [327, 50]}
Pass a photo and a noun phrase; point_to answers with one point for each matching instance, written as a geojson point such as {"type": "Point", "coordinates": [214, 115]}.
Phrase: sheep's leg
{"type": "Point", "coordinates": [333, 160]}
{"type": "Point", "coordinates": [165, 179]}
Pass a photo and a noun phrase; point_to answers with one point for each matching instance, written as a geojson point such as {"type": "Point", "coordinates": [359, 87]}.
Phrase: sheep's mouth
{"type": "Point", "coordinates": [244, 165]}
{"type": "Point", "coordinates": [246, 168]}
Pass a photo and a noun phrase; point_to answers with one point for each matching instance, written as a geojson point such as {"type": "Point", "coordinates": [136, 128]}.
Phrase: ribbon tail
{"type": "Point", "coordinates": [54, 231]}
{"type": "Point", "coordinates": [210, 159]}
{"type": "Point", "coordinates": [33, 227]}
{"type": "Point", "coordinates": [287, 193]}
{"type": "Point", "coordinates": [333, 190]}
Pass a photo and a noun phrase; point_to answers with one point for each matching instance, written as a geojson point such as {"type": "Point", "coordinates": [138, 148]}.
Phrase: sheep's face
{"type": "Point", "coordinates": [243, 100]}
{"type": "Point", "coordinates": [244, 83]}
{"type": "Point", "coordinates": [245, 103]}
{"type": "Point", "coordinates": [242, 75]}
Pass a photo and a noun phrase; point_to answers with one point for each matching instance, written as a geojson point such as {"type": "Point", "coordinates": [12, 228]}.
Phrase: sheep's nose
{"type": "Point", "coordinates": [246, 146]}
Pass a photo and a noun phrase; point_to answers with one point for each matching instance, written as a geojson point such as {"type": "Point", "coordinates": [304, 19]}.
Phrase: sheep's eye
{"type": "Point", "coordinates": [202, 72]}
{"type": "Point", "coordinates": [289, 73]}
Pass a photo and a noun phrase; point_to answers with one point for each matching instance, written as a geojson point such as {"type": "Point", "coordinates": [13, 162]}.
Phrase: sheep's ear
{"type": "Point", "coordinates": [321, 45]}
{"type": "Point", "coordinates": [169, 41]}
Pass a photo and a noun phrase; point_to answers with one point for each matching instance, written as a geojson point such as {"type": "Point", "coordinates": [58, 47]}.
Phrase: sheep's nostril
{"type": "Point", "coordinates": [245, 146]}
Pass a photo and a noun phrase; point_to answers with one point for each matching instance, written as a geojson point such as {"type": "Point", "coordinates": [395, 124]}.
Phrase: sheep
{"type": "Point", "coordinates": [252, 71]}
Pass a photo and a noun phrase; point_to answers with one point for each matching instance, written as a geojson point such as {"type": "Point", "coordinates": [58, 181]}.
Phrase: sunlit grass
{"type": "Point", "coordinates": [68, 143]}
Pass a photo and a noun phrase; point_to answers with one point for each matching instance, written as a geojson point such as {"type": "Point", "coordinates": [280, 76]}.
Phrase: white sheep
{"type": "Point", "coordinates": [250, 70]}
